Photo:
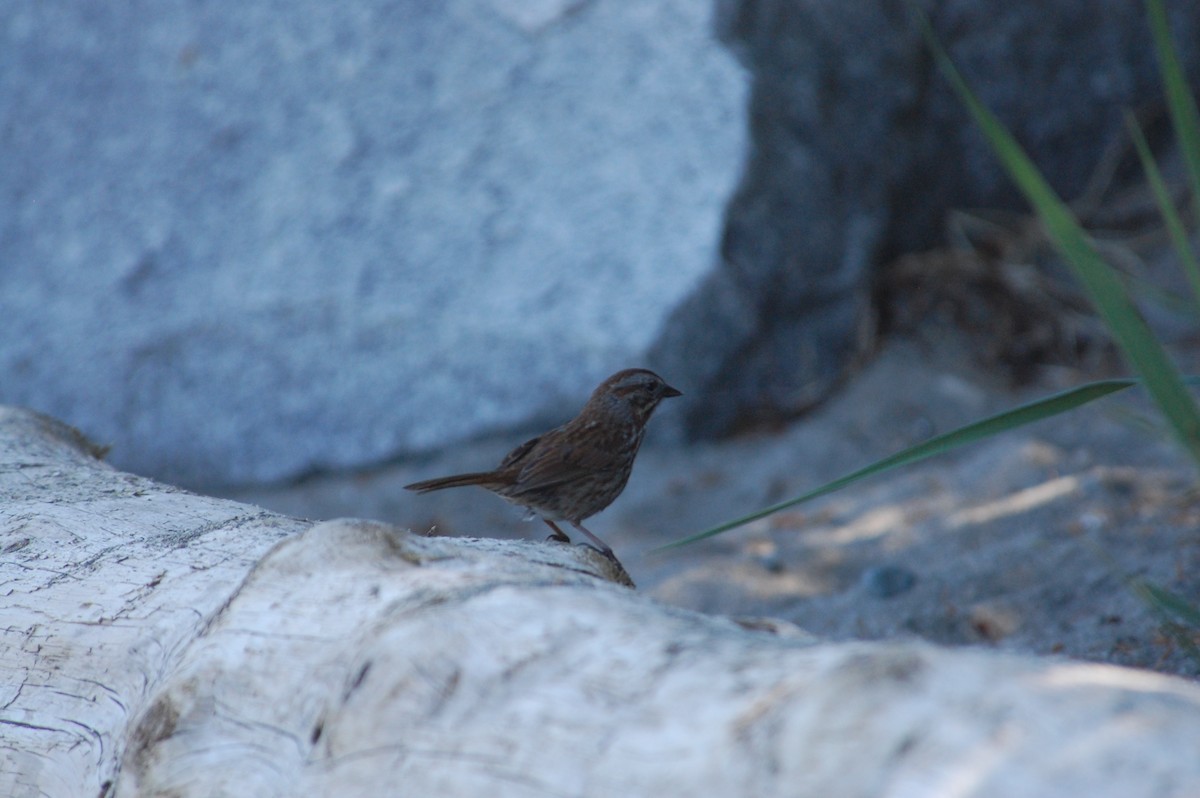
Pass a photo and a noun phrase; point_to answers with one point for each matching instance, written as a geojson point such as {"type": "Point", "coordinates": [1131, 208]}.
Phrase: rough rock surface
{"type": "Point", "coordinates": [242, 242]}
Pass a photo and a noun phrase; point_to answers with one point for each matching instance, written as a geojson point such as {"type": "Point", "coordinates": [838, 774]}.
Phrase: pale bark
{"type": "Point", "coordinates": [161, 643]}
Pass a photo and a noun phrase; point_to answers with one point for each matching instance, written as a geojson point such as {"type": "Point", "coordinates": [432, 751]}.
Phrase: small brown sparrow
{"type": "Point", "coordinates": [574, 471]}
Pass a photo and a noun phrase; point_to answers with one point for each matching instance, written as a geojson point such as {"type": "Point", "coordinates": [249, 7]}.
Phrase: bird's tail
{"type": "Point", "coordinates": [484, 478]}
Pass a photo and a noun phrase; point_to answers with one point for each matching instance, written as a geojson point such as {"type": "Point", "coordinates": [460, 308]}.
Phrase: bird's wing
{"type": "Point", "coordinates": [517, 454]}
{"type": "Point", "coordinates": [552, 461]}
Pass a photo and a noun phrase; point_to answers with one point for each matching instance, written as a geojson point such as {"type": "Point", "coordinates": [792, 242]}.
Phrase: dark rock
{"type": "Point", "coordinates": [858, 149]}
{"type": "Point", "coordinates": [888, 581]}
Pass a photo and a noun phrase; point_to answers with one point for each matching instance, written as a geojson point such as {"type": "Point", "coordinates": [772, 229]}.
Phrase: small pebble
{"type": "Point", "coordinates": [772, 563]}
{"type": "Point", "coordinates": [888, 581]}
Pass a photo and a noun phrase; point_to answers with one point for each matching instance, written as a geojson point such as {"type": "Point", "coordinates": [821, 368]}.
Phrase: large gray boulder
{"type": "Point", "coordinates": [245, 241]}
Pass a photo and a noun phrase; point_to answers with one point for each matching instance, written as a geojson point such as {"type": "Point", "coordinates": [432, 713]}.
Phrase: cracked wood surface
{"type": "Point", "coordinates": [105, 578]}
{"type": "Point", "coordinates": [162, 643]}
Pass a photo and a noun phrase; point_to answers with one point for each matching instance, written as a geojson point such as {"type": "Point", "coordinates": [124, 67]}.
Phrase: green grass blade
{"type": "Point", "coordinates": [1028, 413]}
{"type": "Point", "coordinates": [1171, 603]}
{"type": "Point", "coordinates": [1174, 611]}
{"type": "Point", "coordinates": [1179, 99]}
{"type": "Point", "coordinates": [1175, 228]}
{"type": "Point", "coordinates": [1141, 348]}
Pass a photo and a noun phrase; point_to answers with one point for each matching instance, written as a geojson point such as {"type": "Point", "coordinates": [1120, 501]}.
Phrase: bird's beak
{"type": "Point", "coordinates": [668, 392]}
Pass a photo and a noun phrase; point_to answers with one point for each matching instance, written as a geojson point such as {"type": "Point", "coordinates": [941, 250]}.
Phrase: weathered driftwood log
{"type": "Point", "coordinates": [161, 643]}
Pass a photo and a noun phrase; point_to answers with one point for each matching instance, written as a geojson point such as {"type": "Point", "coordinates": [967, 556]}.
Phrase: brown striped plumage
{"type": "Point", "coordinates": [574, 471]}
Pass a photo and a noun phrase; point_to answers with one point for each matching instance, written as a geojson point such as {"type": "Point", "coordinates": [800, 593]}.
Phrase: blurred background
{"type": "Point", "coordinates": [301, 253]}
{"type": "Point", "coordinates": [248, 244]}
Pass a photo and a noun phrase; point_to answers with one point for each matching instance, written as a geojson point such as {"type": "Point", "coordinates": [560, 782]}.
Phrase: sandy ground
{"type": "Point", "coordinates": [1027, 542]}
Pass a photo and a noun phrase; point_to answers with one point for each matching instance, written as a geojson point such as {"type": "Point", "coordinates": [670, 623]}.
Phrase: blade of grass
{"type": "Point", "coordinates": [1176, 615]}
{"type": "Point", "coordinates": [1173, 611]}
{"type": "Point", "coordinates": [1027, 413]}
{"type": "Point", "coordinates": [1175, 228]}
{"type": "Point", "coordinates": [1141, 348]}
{"type": "Point", "coordinates": [1171, 603]}
{"type": "Point", "coordinates": [1179, 99]}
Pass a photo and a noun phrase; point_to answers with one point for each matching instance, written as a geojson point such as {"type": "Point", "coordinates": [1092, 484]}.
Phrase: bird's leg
{"type": "Point", "coordinates": [598, 544]}
{"type": "Point", "coordinates": [558, 535]}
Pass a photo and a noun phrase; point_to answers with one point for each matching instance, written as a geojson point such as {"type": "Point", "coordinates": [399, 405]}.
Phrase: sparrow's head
{"type": "Point", "coordinates": [639, 389]}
